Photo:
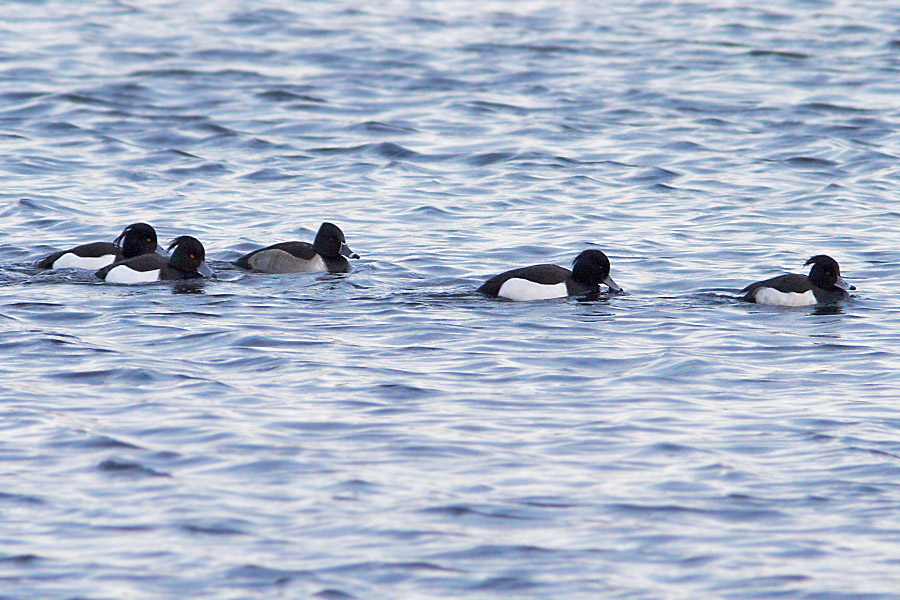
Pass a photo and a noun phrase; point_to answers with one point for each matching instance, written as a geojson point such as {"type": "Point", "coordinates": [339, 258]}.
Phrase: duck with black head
{"type": "Point", "coordinates": [542, 282]}
{"type": "Point", "coordinates": [135, 240]}
{"type": "Point", "coordinates": [824, 284]}
{"type": "Point", "coordinates": [328, 252]}
{"type": "Point", "coordinates": [186, 262]}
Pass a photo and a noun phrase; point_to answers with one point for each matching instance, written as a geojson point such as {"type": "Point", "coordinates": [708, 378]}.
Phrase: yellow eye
{"type": "Point", "coordinates": [192, 256]}
{"type": "Point", "coordinates": [148, 239]}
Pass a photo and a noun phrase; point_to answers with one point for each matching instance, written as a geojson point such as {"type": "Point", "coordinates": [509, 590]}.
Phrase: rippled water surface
{"type": "Point", "coordinates": [388, 433]}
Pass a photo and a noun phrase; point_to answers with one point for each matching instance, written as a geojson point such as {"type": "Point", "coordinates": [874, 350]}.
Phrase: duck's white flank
{"type": "Point", "coordinates": [279, 261]}
{"type": "Point", "coordinates": [73, 261]}
{"type": "Point", "coordinates": [523, 289]}
{"type": "Point", "coordinates": [766, 295]}
{"type": "Point", "coordinates": [124, 274]}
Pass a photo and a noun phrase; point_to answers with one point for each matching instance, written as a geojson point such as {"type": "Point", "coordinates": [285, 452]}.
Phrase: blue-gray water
{"type": "Point", "coordinates": [388, 433]}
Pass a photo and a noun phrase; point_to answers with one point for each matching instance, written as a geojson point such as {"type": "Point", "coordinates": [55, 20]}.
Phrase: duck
{"type": "Point", "coordinates": [186, 262]}
{"type": "Point", "coordinates": [328, 252]}
{"type": "Point", "coordinates": [542, 282]}
{"type": "Point", "coordinates": [824, 284]}
{"type": "Point", "coordinates": [135, 240]}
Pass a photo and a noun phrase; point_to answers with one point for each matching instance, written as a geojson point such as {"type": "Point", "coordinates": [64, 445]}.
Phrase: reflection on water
{"type": "Point", "coordinates": [190, 286]}
{"type": "Point", "coordinates": [827, 309]}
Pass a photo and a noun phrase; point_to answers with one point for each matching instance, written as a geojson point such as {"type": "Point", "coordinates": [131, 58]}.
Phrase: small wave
{"type": "Point", "coordinates": [484, 106]}
{"type": "Point", "coordinates": [20, 559]}
{"type": "Point", "coordinates": [830, 107]}
{"type": "Point", "coordinates": [232, 54]}
{"type": "Point", "coordinates": [779, 54]}
{"type": "Point", "coordinates": [204, 170]}
{"type": "Point", "coordinates": [85, 98]}
{"type": "Point", "coordinates": [257, 573]}
{"type": "Point", "coordinates": [809, 162]}
{"type": "Point", "coordinates": [654, 174]}
{"type": "Point", "coordinates": [333, 594]}
{"type": "Point", "coordinates": [391, 150]}
{"type": "Point", "coordinates": [20, 499]}
{"type": "Point", "coordinates": [265, 16]}
{"type": "Point", "coordinates": [211, 528]}
{"type": "Point", "coordinates": [269, 174]}
{"type": "Point", "coordinates": [128, 468]}
{"type": "Point", "coordinates": [97, 442]}
{"type": "Point", "coordinates": [457, 511]}
{"type": "Point", "coordinates": [8, 98]}
{"type": "Point", "coordinates": [379, 127]}
{"type": "Point", "coordinates": [490, 158]}
{"type": "Point", "coordinates": [288, 96]}
{"type": "Point", "coordinates": [506, 584]}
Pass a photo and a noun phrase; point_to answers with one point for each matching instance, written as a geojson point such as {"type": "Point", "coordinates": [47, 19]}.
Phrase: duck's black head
{"type": "Point", "coordinates": [330, 242]}
{"type": "Point", "coordinates": [591, 267]}
{"type": "Point", "coordinates": [826, 273]}
{"type": "Point", "coordinates": [137, 239]}
{"type": "Point", "coordinates": [189, 254]}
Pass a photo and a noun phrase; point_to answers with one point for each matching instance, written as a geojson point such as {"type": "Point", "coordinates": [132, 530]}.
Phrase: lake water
{"type": "Point", "coordinates": [388, 433]}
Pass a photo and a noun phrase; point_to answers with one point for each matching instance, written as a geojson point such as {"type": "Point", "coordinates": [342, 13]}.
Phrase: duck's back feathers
{"type": "Point", "coordinates": [789, 283]}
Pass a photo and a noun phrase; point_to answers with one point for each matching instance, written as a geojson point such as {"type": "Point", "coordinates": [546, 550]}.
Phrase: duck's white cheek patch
{"type": "Point", "coordinates": [125, 275]}
{"type": "Point", "coordinates": [73, 261]}
{"type": "Point", "coordinates": [523, 289]}
{"type": "Point", "coordinates": [775, 298]}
